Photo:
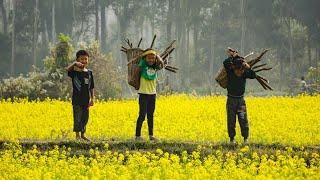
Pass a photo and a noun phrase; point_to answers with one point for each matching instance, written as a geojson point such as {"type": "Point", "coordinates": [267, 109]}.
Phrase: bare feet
{"type": "Point", "coordinates": [152, 138]}
{"type": "Point", "coordinates": [139, 139]}
{"type": "Point", "coordinates": [78, 136]}
{"type": "Point", "coordinates": [85, 138]}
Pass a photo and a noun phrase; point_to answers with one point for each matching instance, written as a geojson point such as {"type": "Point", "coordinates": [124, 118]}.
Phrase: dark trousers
{"type": "Point", "coordinates": [237, 107]}
{"type": "Point", "coordinates": [80, 118]}
{"type": "Point", "coordinates": [147, 105]}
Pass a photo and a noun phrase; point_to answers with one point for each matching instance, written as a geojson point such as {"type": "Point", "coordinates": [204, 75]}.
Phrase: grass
{"type": "Point", "coordinates": [175, 147]}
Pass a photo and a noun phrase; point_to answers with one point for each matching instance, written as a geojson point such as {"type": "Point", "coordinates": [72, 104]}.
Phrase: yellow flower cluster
{"type": "Point", "coordinates": [59, 163]}
{"type": "Point", "coordinates": [286, 120]}
{"type": "Point", "coordinates": [290, 121]}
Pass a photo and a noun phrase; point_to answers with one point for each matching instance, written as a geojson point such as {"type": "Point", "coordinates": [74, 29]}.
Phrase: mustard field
{"type": "Point", "coordinates": [284, 140]}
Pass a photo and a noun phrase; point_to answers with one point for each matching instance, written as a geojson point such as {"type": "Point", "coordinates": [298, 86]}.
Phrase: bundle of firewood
{"type": "Point", "coordinates": [134, 54]}
{"type": "Point", "coordinates": [222, 79]}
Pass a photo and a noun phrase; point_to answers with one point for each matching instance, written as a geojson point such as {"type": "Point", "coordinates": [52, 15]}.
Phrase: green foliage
{"type": "Point", "coordinates": [106, 74]}
{"type": "Point", "coordinates": [53, 81]}
{"type": "Point", "coordinates": [34, 86]}
{"type": "Point", "coordinates": [313, 77]}
{"type": "Point", "coordinates": [60, 55]}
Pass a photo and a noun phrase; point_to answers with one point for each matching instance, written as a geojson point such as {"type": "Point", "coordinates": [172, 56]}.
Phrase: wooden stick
{"type": "Point", "coordinates": [167, 54]}
{"type": "Point", "coordinates": [171, 70]}
{"type": "Point", "coordinates": [261, 83]}
{"type": "Point", "coordinates": [258, 66]}
{"type": "Point", "coordinates": [246, 56]}
{"type": "Point", "coordinates": [264, 83]}
{"type": "Point", "coordinates": [168, 47]}
{"type": "Point", "coordinates": [154, 38]}
{"type": "Point", "coordinates": [263, 78]}
{"type": "Point", "coordinates": [263, 69]}
{"type": "Point", "coordinates": [257, 59]}
{"type": "Point", "coordinates": [139, 42]}
{"type": "Point", "coordinates": [128, 42]}
{"type": "Point", "coordinates": [175, 68]}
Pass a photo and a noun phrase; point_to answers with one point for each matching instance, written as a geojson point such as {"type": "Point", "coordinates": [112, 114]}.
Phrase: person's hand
{"type": "Point", "coordinates": [79, 65]}
{"type": "Point", "coordinates": [245, 65]}
{"type": "Point", "coordinates": [234, 54]}
{"type": "Point", "coordinates": [91, 103]}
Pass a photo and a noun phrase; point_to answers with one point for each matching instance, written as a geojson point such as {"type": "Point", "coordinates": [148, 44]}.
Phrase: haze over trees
{"type": "Point", "coordinates": [29, 31]}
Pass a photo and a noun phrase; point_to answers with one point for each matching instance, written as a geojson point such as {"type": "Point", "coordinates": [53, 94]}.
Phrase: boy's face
{"type": "Point", "coordinates": [84, 60]}
{"type": "Point", "coordinates": [150, 58]}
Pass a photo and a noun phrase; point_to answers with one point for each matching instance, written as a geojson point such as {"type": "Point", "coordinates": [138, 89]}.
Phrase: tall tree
{"type": "Point", "coordinates": [53, 21]}
{"type": "Point", "coordinates": [4, 17]}
{"type": "Point", "coordinates": [35, 32]}
{"type": "Point", "coordinates": [243, 24]}
{"type": "Point", "coordinates": [103, 6]}
{"type": "Point", "coordinates": [96, 12]}
{"type": "Point", "coordinates": [13, 47]}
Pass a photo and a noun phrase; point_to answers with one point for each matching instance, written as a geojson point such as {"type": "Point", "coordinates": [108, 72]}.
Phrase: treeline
{"type": "Point", "coordinates": [202, 28]}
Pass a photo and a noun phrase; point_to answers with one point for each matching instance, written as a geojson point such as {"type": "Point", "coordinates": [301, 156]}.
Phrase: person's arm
{"type": "Point", "coordinates": [71, 66]}
{"type": "Point", "coordinates": [227, 63]}
{"type": "Point", "coordinates": [246, 65]}
{"type": "Point", "coordinates": [159, 62]}
{"type": "Point", "coordinates": [91, 97]}
{"type": "Point", "coordinates": [249, 74]}
{"type": "Point", "coordinates": [91, 91]}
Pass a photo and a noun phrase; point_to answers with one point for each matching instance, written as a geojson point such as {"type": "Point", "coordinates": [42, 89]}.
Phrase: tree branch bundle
{"type": "Point", "coordinates": [222, 79]}
{"type": "Point", "coordinates": [134, 54]}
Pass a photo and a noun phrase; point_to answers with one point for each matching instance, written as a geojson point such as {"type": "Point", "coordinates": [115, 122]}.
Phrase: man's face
{"type": "Point", "coordinates": [84, 60]}
{"type": "Point", "coordinates": [150, 58]}
{"type": "Point", "coordinates": [239, 72]}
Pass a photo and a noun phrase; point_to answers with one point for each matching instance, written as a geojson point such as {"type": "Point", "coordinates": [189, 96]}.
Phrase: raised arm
{"type": "Point", "coordinates": [227, 63]}
{"type": "Point", "coordinates": [71, 66]}
{"type": "Point", "coordinates": [250, 74]}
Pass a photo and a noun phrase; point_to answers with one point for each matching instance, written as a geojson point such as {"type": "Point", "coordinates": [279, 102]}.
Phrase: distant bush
{"type": "Point", "coordinates": [53, 82]}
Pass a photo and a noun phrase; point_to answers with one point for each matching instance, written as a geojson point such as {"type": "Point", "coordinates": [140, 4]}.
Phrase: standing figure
{"type": "Point", "coordinates": [148, 65]}
{"type": "Point", "coordinates": [237, 73]}
{"type": "Point", "coordinates": [83, 94]}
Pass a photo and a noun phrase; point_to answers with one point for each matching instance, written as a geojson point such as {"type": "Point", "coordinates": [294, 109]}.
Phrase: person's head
{"type": "Point", "coordinates": [238, 67]}
{"type": "Point", "coordinates": [150, 56]}
{"type": "Point", "coordinates": [83, 57]}
{"type": "Point", "coordinates": [231, 52]}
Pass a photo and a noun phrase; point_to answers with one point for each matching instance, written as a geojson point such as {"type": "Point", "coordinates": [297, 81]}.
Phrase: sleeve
{"type": "Point", "coordinates": [227, 63]}
{"type": "Point", "coordinates": [250, 74]}
{"type": "Point", "coordinates": [141, 62]}
{"type": "Point", "coordinates": [71, 73]}
{"type": "Point", "coordinates": [92, 81]}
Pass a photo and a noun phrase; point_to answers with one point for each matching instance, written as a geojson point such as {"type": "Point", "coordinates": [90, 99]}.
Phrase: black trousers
{"type": "Point", "coordinates": [147, 104]}
{"type": "Point", "coordinates": [80, 118]}
{"type": "Point", "coordinates": [237, 107]}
